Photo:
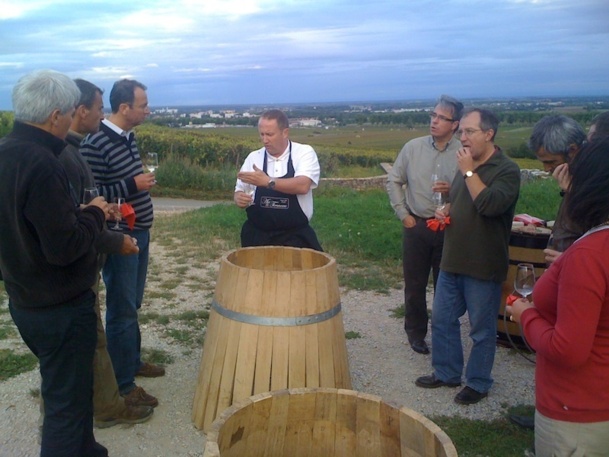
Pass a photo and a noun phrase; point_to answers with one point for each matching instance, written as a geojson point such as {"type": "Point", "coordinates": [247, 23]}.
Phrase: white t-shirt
{"type": "Point", "coordinates": [304, 160]}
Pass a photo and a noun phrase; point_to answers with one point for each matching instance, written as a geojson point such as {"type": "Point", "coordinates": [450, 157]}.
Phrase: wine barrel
{"type": "Point", "coordinates": [324, 422]}
{"type": "Point", "coordinates": [524, 248]}
{"type": "Point", "coordinates": [275, 323]}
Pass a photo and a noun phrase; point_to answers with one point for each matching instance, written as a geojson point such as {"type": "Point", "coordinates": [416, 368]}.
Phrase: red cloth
{"type": "Point", "coordinates": [437, 224]}
{"type": "Point", "coordinates": [569, 330]}
{"type": "Point", "coordinates": [128, 215]}
{"type": "Point", "coordinates": [510, 299]}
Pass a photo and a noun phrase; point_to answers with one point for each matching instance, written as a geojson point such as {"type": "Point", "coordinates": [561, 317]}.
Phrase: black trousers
{"type": "Point", "coordinates": [63, 337]}
{"type": "Point", "coordinates": [422, 252]}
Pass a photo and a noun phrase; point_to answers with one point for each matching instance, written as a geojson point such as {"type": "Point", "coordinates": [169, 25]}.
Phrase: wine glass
{"type": "Point", "coordinates": [438, 198]}
{"type": "Point", "coordinates": [117, 213]}
{"type": "Point", "coordinates": [89, 194]}
{"type": "Point", "coordinates": [525, 279]}
{"type": "Point", "coordinates": [152, 161]}
{"type": "Point", "coordinates": [251, 191]}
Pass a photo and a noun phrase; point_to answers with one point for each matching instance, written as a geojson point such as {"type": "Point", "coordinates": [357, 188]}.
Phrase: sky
{"type": "Point", "coordinates": [226, 52]}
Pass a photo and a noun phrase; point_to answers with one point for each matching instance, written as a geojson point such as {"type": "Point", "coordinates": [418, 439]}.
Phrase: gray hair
{"type": "Point", "coordinates": [556, 134]}
{"type": "Point", "coordinates": [452, 104]}
{"type": "Point", "coordinates": [38, 94]}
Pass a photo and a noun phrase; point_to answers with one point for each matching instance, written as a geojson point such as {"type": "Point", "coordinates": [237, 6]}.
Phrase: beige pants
{"type": "Point", "coordinates": [107, 402]}
{"type": "Point", "coordinates": [554, 438]}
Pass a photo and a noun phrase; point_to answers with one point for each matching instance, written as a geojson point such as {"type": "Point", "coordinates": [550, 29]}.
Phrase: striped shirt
{"type": "Point", "coordinates": [115, 161]}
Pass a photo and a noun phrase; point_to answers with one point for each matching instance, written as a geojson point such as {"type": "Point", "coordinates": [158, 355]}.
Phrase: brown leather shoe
{"type": "Point", "coordinates": [139, 397]}
{"type": "Point", "coordinates": [150, 370]}
{"type": "Point", "coordinates": [131, 415]}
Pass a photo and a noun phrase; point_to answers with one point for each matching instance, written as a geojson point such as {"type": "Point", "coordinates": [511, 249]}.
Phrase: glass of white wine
{"type": "Point", "coordinates": [525, 279]}
{"type": "Point", "coordinates": [152, 161]}
{"type": "Point", "coordinates": [438, 198]}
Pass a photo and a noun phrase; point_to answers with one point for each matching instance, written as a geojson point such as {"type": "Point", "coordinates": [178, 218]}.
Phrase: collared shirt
{"type": "Point", "coordinates": [409, 181]}
{"type": "Point", "coordinates": [117, 129]}
{"type": "Point", "coordinates": [305, 163]}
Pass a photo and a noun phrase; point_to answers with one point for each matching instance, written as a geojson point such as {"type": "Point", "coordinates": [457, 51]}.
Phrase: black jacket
{"type": "Point", "coordinates": [46, 242]}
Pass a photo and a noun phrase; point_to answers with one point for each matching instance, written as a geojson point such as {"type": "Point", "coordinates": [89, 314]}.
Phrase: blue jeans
{"type": "Point", "coordinates": [63, 339]}
{"type": "Point", "coordinates": [456, 294]}
{"type": "Point", "coordinates": [125, 278]}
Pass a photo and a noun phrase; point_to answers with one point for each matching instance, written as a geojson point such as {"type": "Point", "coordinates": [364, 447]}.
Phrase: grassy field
{"type": "Point", "coordinates": [381, 138]}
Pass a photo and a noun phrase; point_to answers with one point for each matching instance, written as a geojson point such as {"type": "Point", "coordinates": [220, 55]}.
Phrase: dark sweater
{"type": "Point", "coordinates": [46, 243]}
{"type": "Point", "coordinates": [477, 239]}
{"type": "Point", "coordinates": [115, 161]}
{"type": "Point", "coordinates": [80, 176]}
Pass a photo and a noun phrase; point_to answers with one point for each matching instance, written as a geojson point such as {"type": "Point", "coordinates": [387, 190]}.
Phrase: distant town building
{"type": "Point", "coordinates": [309, 122]}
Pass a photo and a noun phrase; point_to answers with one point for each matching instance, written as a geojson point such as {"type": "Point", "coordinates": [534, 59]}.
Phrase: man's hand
{"type": "Point", "coordinates": [102, 204]}
{"type": "Point", "coordinates": [129, 246]}
{"type": "Point", "coordinates": [242, 200]}
{"type": "Point", "coordinates": [551, 255]}
{"type": "Point", "coordinates": [465, 161]}
{"type": "Point", "coordinates": [257, 177]}
{"type": "Point", "coordinates": [145, 181]}
{"type": "Point", "coordinates": [562, 176]}
{"type": "Point", "coordinates": [441, 186]}
{"type": "Point", "coordinates": [409, 221]}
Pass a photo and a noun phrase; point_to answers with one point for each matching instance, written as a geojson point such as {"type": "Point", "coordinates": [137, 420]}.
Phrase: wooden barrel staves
{"type": "Point", "coordinates": [524, 248]}
{"type": "Point", "coordinates": [324, 422]}
{"type": "Point", "coordinates": [275, 323]}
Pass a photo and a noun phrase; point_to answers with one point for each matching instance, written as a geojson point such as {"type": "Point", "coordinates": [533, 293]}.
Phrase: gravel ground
{"type": "Point", "coordinates": [381, 363]}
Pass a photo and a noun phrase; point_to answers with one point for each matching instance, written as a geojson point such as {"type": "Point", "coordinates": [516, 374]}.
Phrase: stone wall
{"type": "Point", "coordinates": [378, 182]}
{"type": "Point", "coordinates": [375, 182]}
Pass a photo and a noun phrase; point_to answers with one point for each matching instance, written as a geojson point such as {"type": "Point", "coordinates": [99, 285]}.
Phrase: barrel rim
{"type": "Point", "coordinates": [214, 430]}
{"type": "Point", "coordinates": [331, 260]}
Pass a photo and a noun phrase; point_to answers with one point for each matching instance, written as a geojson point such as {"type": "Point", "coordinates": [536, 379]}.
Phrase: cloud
{"type": "Point", "coordinates": [243, 50]}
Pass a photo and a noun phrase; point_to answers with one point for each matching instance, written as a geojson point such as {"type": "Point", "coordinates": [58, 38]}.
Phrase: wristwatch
{"type": "Point", "coordinates": [468, 174]}
{"type": "Point", "coordinates": [271, 184]}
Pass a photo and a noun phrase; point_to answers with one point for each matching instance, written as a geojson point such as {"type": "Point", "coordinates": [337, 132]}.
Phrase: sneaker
{"type": "Point", "coordinates": [150, 370]}
{"type": "Point", "coordinates": [139, 397]}
{"type": "Point", "coordinates": [469, 396]}
{"type": "Point", "coordinates": [131, 415]}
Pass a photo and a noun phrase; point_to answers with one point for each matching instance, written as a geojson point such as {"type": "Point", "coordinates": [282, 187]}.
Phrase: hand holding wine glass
{"type": "Point", "coordinates": [525, 279]}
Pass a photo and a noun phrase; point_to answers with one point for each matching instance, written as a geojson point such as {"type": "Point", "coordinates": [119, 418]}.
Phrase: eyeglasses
{"type": "Point", "coordinates": [468, 132]}
{"type": "Point", "coordinates": [435, 116]}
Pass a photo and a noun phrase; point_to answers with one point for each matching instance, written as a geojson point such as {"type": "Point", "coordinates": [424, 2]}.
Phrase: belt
{"type": "Point", "coordinates": [422, 218]}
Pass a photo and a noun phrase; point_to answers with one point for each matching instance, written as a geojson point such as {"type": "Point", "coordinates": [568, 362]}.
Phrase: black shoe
{"type": "Point", "coordinates": [523, 421]}
{"type": "Point", "coordinates": [431, 382]}
{"type": "Point", "coordinates": [419, 346]}
{"type": "Point", "coordinates": [99, 450]}
{"type": "Point", "coordinates": [469, 396]}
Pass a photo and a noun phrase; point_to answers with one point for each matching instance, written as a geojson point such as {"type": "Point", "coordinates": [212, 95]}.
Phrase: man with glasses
{"type": "Point", "coordinates": [410, 187]}
{"type": "Point", "coordinates": [475, 259]}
